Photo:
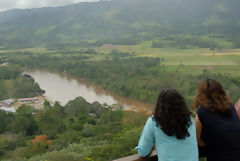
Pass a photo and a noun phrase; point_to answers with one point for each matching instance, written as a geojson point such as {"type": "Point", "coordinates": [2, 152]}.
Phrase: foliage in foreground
{"type": "Point", "coordinates": [78, 131]}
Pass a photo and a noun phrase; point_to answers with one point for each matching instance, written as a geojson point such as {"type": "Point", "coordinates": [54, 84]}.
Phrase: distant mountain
{"type": "Point", "coordinates": [119, 22]}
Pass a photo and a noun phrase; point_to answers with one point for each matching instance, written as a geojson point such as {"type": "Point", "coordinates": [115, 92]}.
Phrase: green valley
{"type": "Point", "coordinates": [133, 48]}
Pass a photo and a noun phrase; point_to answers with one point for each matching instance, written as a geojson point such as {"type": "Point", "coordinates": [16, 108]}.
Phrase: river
{"type": "Point", "coordinates": [63, 88]}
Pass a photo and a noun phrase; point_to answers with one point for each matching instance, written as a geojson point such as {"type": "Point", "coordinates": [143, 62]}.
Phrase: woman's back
{"type": "Point", "coordinates": [221, 133]}
{"type": "Point", "coordinates": [168, 148]}
{"type": "Point", "coordinates": [171, 129]}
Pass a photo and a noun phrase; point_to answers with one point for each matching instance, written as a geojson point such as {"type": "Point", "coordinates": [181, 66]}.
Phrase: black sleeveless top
{"type": "Point", "coordinates": [221, 134]}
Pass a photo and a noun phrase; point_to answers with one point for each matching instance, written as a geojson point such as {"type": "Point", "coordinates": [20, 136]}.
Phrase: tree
{"type": "Point", "coordinates": [3, 146]}
{"type": "Point", "coordinates": [51, 122]}
{"type": "Point", "coordinates": [112, 116]}
{"type": "Point", "coordinates": [40, 143]}
{"type": "Point", "coordinates": [96, 109]}
{"type": "Point", "coordinates": [24, 121]}
{"type": "Point", "coordinates": [46, 104]}
{"type": "Point", "coordinates": [77, 106]}
{"type": "Point", "coordinates": [3, 121]}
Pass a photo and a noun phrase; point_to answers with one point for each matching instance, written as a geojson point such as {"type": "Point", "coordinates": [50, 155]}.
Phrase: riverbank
{"type": "Point", "coordinates": [139, 78]}
{"type": "Point", "coordinates": [63, 88]}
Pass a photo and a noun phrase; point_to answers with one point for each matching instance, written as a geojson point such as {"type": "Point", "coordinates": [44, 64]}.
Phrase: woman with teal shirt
{"type": "Point", "coordinates": [171, 129]}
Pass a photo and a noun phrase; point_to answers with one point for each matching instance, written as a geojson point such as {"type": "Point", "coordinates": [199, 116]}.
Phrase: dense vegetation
{"type": "Point", "coordinates": [164, 44]}
{"type": "Point", "coordinates": [79, 131]}
{"type": "Point", "coordinates": [140, 78]}
{"type": "Point", "coordinates": [199, 23]}
{"type": "Point", "coordinates": [15, 85]}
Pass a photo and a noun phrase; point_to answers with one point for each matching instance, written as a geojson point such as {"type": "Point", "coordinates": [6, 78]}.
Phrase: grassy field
{"type": "Point", "coordinates": [189, 61]}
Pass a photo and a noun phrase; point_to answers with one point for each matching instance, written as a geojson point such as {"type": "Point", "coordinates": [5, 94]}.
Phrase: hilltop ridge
{"type": "Point", "coordinates": [119, 22]}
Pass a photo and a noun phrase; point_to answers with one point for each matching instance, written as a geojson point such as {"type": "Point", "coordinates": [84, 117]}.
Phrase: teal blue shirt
{"type": "Point", "coordinates": [168, 148]}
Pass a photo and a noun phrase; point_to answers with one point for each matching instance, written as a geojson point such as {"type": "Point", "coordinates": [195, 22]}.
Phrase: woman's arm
{"type": "Point", "coordinates": [147, 140]}
{"type": "Point", "coordinates": [199, 131]}
{"type": "Point", "coordinates": [237, 106]}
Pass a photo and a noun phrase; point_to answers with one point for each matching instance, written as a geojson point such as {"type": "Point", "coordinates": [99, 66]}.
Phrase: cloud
{"type": "Point", "coordinates": [23, 4]}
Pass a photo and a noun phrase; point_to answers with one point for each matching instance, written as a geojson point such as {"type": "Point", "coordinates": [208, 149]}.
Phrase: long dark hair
{"type": "Point", "coordinates": [212, 96]}
{"type": "Point", "coordinates": [171, 114]}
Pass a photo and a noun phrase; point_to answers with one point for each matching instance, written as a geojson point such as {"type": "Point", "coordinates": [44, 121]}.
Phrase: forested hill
{"type": "Point", "coordinates": [119, 22]}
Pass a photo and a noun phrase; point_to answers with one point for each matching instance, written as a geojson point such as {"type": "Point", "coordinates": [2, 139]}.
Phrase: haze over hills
{"type": "Point", "coordinates": [66, 52]}
{"type": "Point", "coordinates": [122, 22]}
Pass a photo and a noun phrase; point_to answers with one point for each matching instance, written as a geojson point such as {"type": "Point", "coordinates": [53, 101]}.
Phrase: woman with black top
{"type": "Point", "coordinates": [217, 123]}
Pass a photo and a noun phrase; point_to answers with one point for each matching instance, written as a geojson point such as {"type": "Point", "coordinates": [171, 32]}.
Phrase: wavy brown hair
{"type": "Point", "coordinates": [212, 96]}
{"type": "Point", "coordinates": [171, 114]}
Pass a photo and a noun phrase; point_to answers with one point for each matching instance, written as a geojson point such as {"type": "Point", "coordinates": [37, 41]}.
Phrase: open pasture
{"type": "Point", "coordinates": [189, 61]}
{"type": "Point", "coordinates": [173, 56]}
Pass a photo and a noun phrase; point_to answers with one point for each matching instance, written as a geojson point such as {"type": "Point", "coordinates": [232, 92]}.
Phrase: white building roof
{"type": "Point", "coordinates": [8, 109]}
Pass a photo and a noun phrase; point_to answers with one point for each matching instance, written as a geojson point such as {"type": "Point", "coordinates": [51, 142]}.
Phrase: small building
{"type": "Point", "coordinates": [28, 100]}
{"type": "Point", "coordinates": [8, 101]}
{"type": "Point", "coordinates": [8, 109]}
{"type": "Point", "coordinates": [3, 104]}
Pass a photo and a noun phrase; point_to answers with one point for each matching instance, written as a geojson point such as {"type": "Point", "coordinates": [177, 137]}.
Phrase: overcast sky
{"type": "Point", "coordinates": [9, 4]}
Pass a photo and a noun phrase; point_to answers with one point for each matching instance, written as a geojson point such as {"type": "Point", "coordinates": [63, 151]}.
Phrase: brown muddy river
{"type": "Point", "coordinates": [63, 88]}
